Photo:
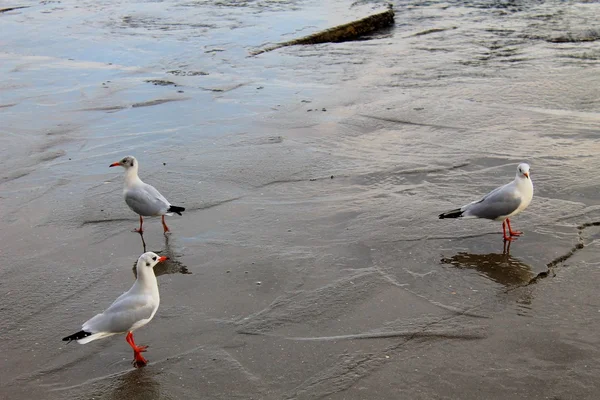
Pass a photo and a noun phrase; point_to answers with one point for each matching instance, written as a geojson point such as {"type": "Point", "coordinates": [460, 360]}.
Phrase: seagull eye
{"type": "Point", "coordinates": [124, 161]}
{"type": "Point", "coordinates": [154, 258]}
{"type": "Point", "coordinates": [147, 264]}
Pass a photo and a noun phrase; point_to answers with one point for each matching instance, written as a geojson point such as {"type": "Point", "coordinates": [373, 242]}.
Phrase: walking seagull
{"type": "Point", "coordinates": [130, 311]}
{"type": "Point", "coordinates": [142, 198]}
{"type": "Point", "coordinates": [501, 203]}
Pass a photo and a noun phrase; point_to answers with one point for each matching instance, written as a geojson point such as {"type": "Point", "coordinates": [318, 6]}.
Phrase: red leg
{"type": "Point", "coordinates": [138, 359]}
{"type": "Point", "coordinates": [141, 222]}
{"type": "Point", "coordinates": [165, 227]}
{"type": "Point", "coordinates": [506, 238]}
{"type": "Point", "coordinates": [510, 231]}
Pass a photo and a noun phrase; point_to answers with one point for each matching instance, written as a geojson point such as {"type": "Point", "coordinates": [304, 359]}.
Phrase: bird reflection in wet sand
{"type": "Point", "coordinates": [501, 268]}
{"type": "Point", "coordinates": [170, 266]}
{"type": "Point", "coordinates": [136, 384]}
{"type": "Point", "coordinates": [143, 241]}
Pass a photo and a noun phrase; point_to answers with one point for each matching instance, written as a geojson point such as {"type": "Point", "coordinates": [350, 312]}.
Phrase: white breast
{"type": "Point", "coordinates": [525, 187]}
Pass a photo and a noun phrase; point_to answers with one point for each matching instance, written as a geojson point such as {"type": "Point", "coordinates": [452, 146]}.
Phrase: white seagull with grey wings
{"type": "Point", "coordinates": [501, 203]}
{"type": "Point", "coordinates": [130, 311]}
{"type": "Point", "coordinates": [142, 198]}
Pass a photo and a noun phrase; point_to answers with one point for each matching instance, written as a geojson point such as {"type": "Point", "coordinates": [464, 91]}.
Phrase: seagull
{"type": "Point", "coordinates": [142, 198]}
{"type": "Point", "coordinates": [130, 311]}
{"type": "Point", "coordinates": [501, 203]}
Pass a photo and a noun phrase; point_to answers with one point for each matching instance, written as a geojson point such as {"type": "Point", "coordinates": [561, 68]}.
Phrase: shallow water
{"type": "Point", "coordinates": [310, 262]}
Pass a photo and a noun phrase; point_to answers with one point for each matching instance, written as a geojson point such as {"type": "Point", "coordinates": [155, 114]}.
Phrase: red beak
{"type": "Point", "coordinates": [115, 164]}
{"type": "Point", "coordinates": [162, 258]}
{"type": "Point", "coordinates": [526, 174]}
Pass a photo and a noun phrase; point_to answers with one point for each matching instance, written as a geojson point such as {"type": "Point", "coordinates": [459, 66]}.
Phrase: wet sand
{"type": "Point", "coordinates": [310, 262]}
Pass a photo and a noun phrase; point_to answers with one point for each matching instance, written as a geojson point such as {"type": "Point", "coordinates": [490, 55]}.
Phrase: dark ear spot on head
{"type": "Point", "coordinates": [132, 163]}
{"type": "Point", "coordinates": [147, 264]}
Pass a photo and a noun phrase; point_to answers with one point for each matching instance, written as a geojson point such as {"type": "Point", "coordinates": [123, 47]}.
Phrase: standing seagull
{"type": "Point", "coordinates": [501, 203]}
{"type": "Point", "coordinates": [132, 310]}
{"type": "Point", "coordinates": [142, 198]}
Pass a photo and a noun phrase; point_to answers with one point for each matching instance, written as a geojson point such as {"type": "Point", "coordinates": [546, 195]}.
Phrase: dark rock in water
{"type": "Point", "coordinates": [3, 10]}
{"type": "Point", "coordinates": [179, 72]}
{"type": "Point", "coordinates": [160, 82]}
{"type": "Point", "coordinates": [591, 35]}
{"type": "Point", "coordinates": [343, 33]}
{"type": "Point", "coordinates": [434, 30]}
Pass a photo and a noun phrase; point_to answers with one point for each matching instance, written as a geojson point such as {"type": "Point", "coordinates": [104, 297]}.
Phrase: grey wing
{"type": "Point", "coordinates": [157, 195]}
{"type": "Point", "coordinates": [121, 315]}
{"type": "Point", "coordinates": [498, 203]}
{"type": "Point", "coordinates": [146, 201]}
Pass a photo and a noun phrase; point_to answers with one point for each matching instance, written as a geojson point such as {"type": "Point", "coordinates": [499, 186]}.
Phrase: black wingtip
{"type": "Point", "coordinates": [176, 210]}
{"type": "Point", "coordinates": [76, 336]}
{"type": "Point", "coordinates": [451, 214]}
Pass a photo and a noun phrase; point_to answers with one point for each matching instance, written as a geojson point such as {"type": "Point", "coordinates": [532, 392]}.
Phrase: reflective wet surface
{"type": "Point", "coordinates": [310, 262]}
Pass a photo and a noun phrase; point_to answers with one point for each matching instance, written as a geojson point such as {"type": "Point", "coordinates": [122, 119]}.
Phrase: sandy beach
{"type": "Point", "coordinates": [310, 262]}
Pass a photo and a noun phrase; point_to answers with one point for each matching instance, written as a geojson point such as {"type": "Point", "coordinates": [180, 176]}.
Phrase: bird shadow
{"type": "Point", "coordinates": [170, 266]}
{"type": "Point", "coordinates": [498, 267]}
{"type": "Point", "coordinates": [136, 384]}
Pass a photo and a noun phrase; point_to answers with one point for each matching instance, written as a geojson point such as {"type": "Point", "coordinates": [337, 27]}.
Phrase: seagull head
{"type": "Point", "coordinates": [523, 171]}
{"type": "Point", "coordinates": [127, 162]}
{"type": "Point", "coordinates": [149, 260]}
